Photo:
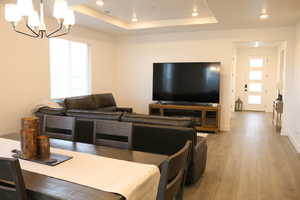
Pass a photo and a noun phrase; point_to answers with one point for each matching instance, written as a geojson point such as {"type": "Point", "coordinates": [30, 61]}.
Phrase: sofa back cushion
{"type": "Point", "coordinates": [82, 103]}
{"type": "Point", "coordinates": [158, 120]}
{"type": "Point", "coordinates": [165, 140]}
{"type": "Point", "coordinates": [94, 114]}
{"type": "Point", "coordinates": [104, 100]}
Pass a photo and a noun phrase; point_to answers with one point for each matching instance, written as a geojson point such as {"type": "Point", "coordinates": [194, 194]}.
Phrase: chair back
{"type": "Point", "coordinates": [173, 174]}
{"type": "Point", "coordinates": [12, 185]}
{"type": "Point", "coordinates": [59, 127]}
{"type": "Point", "coordinates": [113, 134]}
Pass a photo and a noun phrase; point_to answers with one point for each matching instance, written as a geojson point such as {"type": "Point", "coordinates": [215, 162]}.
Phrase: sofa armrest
{"type": "Point", "coordinates": [124, 109]}
{"type": "Point", "coordinates": [198, 164]}
{"type": "Point", "coordinates": [51, 111]}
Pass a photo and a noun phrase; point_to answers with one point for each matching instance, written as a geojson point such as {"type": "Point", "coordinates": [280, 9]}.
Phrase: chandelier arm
{"type": "Point", "coordinates": [34, 36]}
{"type": "Point", "coordinates": [57, 30]}
{"type": "Point", "coordinates": [62, 34]}
{"type": "Point", "coordinates": [35, 33]}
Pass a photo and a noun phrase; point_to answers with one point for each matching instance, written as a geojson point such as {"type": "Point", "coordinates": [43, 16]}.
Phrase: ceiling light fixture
{"type": "Point", "coordinates": [195, 13]}
{"type": "Point", "coordinates": [35, 22]}
{"type": "Point", "coordinates": [264, 14]}
{"type": "Point", "coordinates": [134, 18]}
{"type": "Point", "coordinates": [100, 3]}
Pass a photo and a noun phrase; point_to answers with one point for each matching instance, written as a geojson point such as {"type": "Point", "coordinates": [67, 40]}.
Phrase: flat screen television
{"type": "Point", "coordinates": [187, 82]}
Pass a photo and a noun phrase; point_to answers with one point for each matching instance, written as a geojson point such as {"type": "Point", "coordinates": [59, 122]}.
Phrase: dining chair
{"type": "Point", "coordinates": [12, 185]}
{"type": "Point", "coordinates": [173, 173]}
{"type": "Point", "coordinates": [113, 134]}
{"type": "Point", "coordinates": [59, 127]}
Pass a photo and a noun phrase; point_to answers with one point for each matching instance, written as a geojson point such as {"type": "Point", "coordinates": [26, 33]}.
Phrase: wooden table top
{"type": "Point", "coordinates": [41, 187]}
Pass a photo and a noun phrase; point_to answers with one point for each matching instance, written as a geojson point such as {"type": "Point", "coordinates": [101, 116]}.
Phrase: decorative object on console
{"type": "Point", "coordinates": [238, 105]}
{"type": "Point", "coordinates": [35, 22]}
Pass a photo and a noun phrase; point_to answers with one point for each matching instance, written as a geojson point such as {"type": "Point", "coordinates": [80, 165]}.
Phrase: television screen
{"type": "Point", "coordinates": [186, 82]}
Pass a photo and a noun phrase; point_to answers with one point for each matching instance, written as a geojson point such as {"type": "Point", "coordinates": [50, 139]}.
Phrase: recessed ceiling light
{"type": "Point", "coordinates": [195, 14]}
{"type": "Point", "coordinates": [100, 3]}
{"type": "Point", "coordinates": [264, 16]}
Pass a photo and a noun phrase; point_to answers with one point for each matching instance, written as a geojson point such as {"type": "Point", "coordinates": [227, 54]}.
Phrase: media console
{"type": "Point", "coordinates": [207, 117]}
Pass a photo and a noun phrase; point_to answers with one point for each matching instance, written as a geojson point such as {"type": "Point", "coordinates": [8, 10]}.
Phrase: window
{"type": "Point", "coordinates": [255, 87]}
{"type": "Point", "coordinates": [256, 62]}
{"type": "Point", "coordinates": [69, 68]}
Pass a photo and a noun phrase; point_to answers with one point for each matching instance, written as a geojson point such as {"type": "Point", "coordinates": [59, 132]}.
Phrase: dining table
{"type": "Point", "coordinates": [42, 187]}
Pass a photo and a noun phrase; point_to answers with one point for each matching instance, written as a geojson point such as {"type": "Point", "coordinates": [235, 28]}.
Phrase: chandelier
{"type": "Point", "coordinates": [35, 22]}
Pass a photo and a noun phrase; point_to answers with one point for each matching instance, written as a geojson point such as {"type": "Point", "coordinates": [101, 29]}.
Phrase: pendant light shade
{"type": "Point", "coordinates": [33, 20]}
{"type": "Point", "coordinates": [12, 13]}
{"type": "Point", "coordinates": [25, 7]}
{"type": "Point", "coordinates": [60, 9]}
{"type": "Point", "coordinates": [69, 17]}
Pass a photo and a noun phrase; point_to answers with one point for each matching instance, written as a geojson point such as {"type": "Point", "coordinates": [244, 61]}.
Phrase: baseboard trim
{"type": "Point", "coordinates": [294, 142]}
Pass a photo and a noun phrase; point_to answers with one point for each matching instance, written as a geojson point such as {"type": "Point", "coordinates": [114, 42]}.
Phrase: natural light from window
{"type": "Point", "coordinates": [255, 87]}
{"type": "Point", "coordinates": [256, 62]}
{"type": "Point", "coordinates": [69, 67]}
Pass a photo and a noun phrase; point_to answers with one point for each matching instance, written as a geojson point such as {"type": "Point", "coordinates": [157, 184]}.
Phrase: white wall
{"type": "Point", "coordinates": [25, 74]}
{"type": "Point", "coordinates": [292, 126]}
{"type": "Point", "coordinates": [135, 55]}
{"type": "Point", "coordinates": [269, 74]}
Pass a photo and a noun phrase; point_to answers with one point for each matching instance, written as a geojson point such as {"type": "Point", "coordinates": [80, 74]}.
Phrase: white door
{"type": "Point", "coordinates": [254, 84]}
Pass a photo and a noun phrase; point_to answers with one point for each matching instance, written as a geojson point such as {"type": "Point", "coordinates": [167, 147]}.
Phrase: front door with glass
{"type": "Point", "coordinates": [254, 84]}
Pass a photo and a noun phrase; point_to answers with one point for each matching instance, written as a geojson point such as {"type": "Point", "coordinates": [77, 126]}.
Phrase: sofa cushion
{"type": "Point", "coordinates": [158, 120]}
{"type": "Point", "coordinates": [82, 103]}
{"type": "Point", "coordinates": [94, 114]}
{"type": "Point", "coordinates": [104, 100]}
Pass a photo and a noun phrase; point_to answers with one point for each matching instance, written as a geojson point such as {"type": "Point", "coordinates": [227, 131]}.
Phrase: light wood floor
{"type": "Point", "coordinates": [251, 162]}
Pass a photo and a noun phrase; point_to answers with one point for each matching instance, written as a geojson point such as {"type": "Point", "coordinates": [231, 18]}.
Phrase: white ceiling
{"type": "Point", "coordinates": [175, 15]}
{"type": "Point", "coordinates": [152, 10]}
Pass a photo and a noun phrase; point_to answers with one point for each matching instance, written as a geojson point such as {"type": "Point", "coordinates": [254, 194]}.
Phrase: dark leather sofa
{"type": "Point", "coordinates": [155, 134]}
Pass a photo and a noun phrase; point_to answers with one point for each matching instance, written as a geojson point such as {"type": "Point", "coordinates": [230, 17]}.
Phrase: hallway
{"type": "Point", "coordinates": [251, 162]}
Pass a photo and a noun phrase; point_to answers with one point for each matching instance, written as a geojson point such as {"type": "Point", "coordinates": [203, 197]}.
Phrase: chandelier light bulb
{"type": "Point", "coordinates": [12, 13]}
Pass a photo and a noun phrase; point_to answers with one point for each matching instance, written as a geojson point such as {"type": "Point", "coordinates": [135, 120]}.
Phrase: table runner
{"type": "Point", "coordinates": [134, 181]}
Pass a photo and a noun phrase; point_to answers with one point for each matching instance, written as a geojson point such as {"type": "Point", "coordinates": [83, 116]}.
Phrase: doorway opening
{"type": "Point", "coordinates": [258, 73]}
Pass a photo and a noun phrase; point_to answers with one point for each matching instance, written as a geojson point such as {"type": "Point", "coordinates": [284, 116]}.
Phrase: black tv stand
{"type": "Point", "coordinates": [207, 117]}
